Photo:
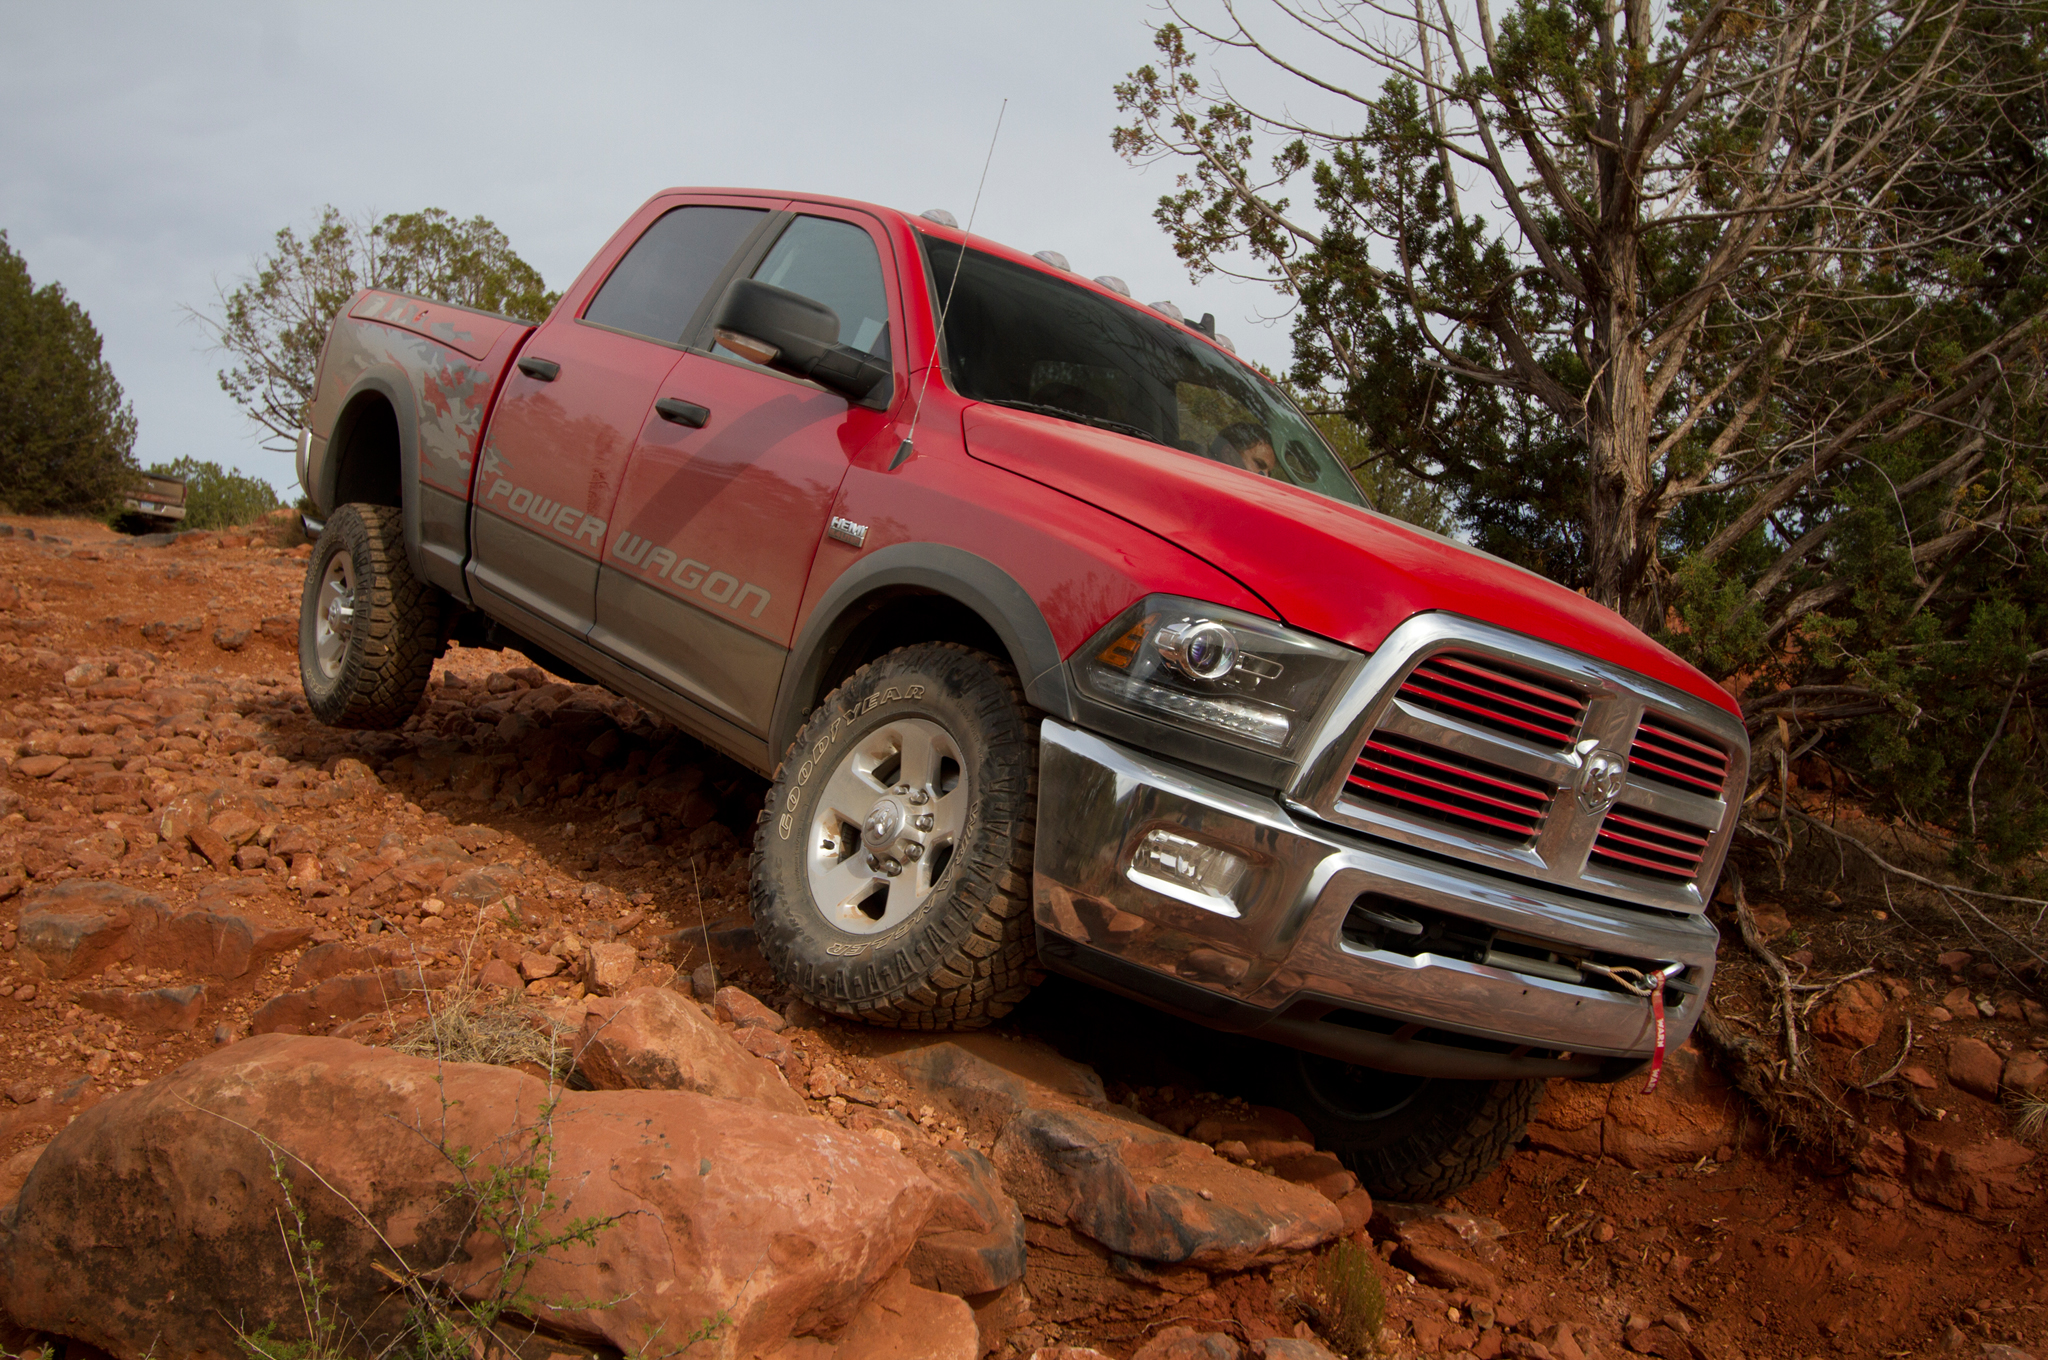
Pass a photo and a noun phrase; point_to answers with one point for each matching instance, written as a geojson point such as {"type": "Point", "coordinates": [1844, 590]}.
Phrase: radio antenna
{"type": "Point", "coordinates": [904, 449]}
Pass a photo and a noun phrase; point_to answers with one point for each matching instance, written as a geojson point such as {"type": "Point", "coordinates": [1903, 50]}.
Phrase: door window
{"type": "Point", "coordinates": [657, 288]}
{"type": "Point", "coordinates": [835, 263]}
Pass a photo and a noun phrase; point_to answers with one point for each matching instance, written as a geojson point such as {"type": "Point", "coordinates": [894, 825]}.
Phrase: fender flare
{"type": "Point", "coordinates": [930, 569]}
{"type": "Point", "coordinates": [390, 382]}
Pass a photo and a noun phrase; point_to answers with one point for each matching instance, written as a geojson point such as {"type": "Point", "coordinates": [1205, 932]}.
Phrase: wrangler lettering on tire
{"type": "Point", "coordinates": [892, 861]}
{"type": "Point", "coordinates": [369, 630]}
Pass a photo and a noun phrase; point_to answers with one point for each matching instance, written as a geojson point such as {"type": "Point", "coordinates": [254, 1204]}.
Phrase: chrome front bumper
{"type": "Point", "coordinates": [1271, 958]}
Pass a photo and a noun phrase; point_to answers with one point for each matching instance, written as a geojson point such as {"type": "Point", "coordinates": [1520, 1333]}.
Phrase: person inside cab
{"type": "Point", "coordinates": [1245, 445]}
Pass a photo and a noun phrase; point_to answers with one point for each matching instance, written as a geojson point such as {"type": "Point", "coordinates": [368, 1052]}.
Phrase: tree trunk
{"type": "Point", "coordinates": [1617, 423]}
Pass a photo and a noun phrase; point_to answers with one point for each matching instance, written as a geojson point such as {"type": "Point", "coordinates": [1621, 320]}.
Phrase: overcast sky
{"type": "Point", "coordinates": [152, 150]}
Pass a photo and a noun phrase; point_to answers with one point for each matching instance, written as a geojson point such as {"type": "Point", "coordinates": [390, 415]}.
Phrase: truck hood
{"type": "Point", "coordinates": [1346, 573]}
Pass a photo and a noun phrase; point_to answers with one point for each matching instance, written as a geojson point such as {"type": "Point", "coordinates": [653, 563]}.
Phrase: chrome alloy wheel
{"type": "Point", "coordinates": [334, 613]}
{"type": "Point", "coordinates": [886, 826]}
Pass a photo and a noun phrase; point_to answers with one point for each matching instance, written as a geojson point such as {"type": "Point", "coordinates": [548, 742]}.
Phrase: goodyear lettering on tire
{"type": "Point", "coordinates": [786, 823]}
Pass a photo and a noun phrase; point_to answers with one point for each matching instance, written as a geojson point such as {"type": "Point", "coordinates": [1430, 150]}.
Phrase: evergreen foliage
{"type": "Point", "coordinates": [67, 435]}
{"type": "Point", "coordinates": [273, 323]}
{"type": "Point", "coordinates": [217, 497]}
{"type": "Point", "coordinates": [1730, 317]}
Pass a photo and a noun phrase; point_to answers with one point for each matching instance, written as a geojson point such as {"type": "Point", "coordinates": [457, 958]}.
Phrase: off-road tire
{"type": "Point", "coordinates": [1409, 1139]}
{"type": "Point", "coordinates": [396, 633]}
{"type": "Point", "coordinates": [966, 955]}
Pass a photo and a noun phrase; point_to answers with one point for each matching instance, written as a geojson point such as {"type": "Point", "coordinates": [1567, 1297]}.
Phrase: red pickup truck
{"type": "Point", "coordinates": [1068, 645]}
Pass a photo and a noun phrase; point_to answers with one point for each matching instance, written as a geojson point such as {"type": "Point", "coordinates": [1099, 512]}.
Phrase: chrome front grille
{"type": "Point", "coordinates": [1500, 698]}
{"type": "Point", "coordinates": [1669, 754]}
{"type": "Point", "coordinates": [1444, 786]}
{"type": "Point", "coordinates": [1636, 841]}
{"type": "Point", "coordinates": [1470, 741]}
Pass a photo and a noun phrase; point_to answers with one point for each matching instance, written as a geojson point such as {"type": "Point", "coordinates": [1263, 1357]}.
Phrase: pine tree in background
{"type": "Point", "coordinates": [67, 435]}
{"type": "Point", "coordinates": [273, 323]}
{"type": "Point", "coordinates": [1734, 317]}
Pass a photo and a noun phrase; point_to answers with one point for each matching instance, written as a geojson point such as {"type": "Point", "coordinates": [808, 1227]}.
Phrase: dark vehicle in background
{"type": "Point", "coordinates": [152, 503]}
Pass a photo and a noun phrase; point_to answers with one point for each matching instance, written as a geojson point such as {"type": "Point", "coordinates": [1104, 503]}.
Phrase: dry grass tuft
{"type": "Point", "coordinates": [2030, 1119]}
{"type": "Point", "coordinates": [468, 1029]}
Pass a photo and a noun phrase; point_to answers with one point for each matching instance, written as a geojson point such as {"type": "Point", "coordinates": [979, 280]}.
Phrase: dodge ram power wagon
{"type": "Point", "coordinates": [1068, 645]}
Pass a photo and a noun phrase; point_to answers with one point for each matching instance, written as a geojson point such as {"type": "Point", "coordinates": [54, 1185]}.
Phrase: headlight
{"type": "Point", "coordinates": [1234, 675]}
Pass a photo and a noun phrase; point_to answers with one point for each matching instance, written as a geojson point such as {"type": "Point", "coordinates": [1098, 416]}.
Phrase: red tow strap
{"type": "Point", "coordinates": [1657, 1056]}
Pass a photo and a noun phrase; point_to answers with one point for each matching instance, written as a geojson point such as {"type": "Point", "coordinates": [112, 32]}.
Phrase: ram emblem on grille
{"type": "Point", "coordinates": [1600, 781]}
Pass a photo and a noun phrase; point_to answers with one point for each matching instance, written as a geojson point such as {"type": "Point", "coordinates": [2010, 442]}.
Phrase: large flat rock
{"type": "Point", "coordinates": [1153, 1196]}
{"type": "Point", "coordinates": [151, 1220]}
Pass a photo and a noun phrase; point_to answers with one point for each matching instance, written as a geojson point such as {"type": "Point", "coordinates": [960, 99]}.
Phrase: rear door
{"type": "Point", "coordinates": [574, 406]}
{"type": "Point", "coordinates": [717, 524]}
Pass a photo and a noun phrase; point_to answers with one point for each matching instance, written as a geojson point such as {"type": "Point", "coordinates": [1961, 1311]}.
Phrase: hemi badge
{"type": "Point", "coordinates": [846, 531]}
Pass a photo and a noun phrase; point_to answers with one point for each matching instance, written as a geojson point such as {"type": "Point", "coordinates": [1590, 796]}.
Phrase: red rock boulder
{"type": "Point", "coordinates": [77, 928]}
{"type": "Point", "coordinates": [1147, 1194]}
{"type": "Point", "coordinates": [150, 1221]}
{"type": "Point", "coordinates": [653, 1039]}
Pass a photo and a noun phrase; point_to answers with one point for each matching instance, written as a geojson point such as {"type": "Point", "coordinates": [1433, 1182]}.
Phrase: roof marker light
{"type": "Point", "coordinates": [1224, 341]}
{"type": "Point", "coordinates": [1113, 284]}
{"type": "Point", "coordinates": [1168, 309]}
{"type": "Point", "coordinates": [941, 216]}
{"type": "Point", "coordinates": [1054, 258]}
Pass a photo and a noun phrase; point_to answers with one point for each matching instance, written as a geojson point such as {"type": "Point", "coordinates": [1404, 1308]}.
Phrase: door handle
{"type": "Point", "coordinates": [682, 412]}
{"type": "Point", "coordinates": [540, 370]}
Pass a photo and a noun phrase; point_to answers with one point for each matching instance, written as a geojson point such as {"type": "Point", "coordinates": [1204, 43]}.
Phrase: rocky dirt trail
{"type": "Point", "coordinates": [216, 916]}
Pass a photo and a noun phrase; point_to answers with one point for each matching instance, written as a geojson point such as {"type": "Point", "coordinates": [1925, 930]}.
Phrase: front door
{"type": "Point", "coordinates": [716, 525]}
{"type": "Point", "coordinates": [570, 413]}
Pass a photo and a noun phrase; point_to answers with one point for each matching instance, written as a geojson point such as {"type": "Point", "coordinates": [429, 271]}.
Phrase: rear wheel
{"type": "Point", "coordinates": [1413, 1139]}
{"type": "Point", "coordinates": [369, 630]}
{"type": "Point", "coordinates": [892, 863]}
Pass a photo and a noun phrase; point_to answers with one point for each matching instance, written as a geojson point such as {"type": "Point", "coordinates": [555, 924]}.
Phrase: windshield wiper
{"type": "Point", "coordinates": [1101, 422]}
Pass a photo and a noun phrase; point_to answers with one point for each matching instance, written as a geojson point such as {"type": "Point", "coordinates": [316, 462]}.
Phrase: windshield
{"type": "Point", "coordinates": [1019, 337]}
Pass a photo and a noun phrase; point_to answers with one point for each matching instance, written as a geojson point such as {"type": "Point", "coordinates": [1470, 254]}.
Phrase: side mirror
{"type": "Point", "coordinates": [791, 333]}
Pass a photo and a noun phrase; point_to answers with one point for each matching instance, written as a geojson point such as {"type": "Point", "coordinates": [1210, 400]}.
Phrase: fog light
{"type": "Point", "coordinates": [1188, 871]}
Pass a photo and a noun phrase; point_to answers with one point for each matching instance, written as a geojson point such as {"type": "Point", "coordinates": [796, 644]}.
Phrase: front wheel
{"type": "Point", "coordinates": [369, 630]}
{"type": "Point", "coordinates": [892, 863]}
{"type": "Point", "coordinates": [1411, 1139]}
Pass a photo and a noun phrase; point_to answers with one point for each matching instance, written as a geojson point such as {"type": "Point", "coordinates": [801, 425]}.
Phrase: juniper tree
{"type": "Point", "coordinates": [273, 322]}
{"type": "Point", "coordinates": [67, 434]}
{"type": "Point", "coordinates": [1731, 315]}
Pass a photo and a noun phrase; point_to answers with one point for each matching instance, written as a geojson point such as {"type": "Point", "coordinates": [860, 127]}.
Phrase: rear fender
{"type": "Point", "coordinates": [439, 387]}
{"type": "Point", "coordinates": [355, 467]}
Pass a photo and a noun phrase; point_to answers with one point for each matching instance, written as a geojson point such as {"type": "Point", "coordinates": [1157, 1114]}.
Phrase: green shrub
{"type": "Point", "coordinates": [1355, 1305]}
{"type": "Point", "coordinates": [67, 433]}
{"type": "Point", "coordinates": [217, 497]}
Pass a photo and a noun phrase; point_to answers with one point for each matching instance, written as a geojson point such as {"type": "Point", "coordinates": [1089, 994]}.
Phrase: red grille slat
{"type": "Point", "coordinates": [1448, 811]}
{"type": "Point", "coordinates": [1646, 843]}
{"type": "Point", "coordinates": [1692, 837]}
{"type": "Point", "coordinates": [1445, 786]}
{"type": "Point", "coordinates": [1483, 691]}
{"type": "Point", "coordinates": [1532, 699]}
{"type": "Point", "coordinates": [1470, 771]}
{"type": "Point", "coordinates": [1671, 756]}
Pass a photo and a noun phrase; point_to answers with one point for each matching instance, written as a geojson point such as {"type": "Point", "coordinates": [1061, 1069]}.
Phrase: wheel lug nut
{"type": "Point", "coordinates": [891, 867]}
{"type": "Point", "coordinates": [913, 851]}
{"type": "Point", "coordinates": [900, 789]}
{"type": "Point", "coordinates": [923, 821]}
{"type": "Point", "coordinates": [918, 798]}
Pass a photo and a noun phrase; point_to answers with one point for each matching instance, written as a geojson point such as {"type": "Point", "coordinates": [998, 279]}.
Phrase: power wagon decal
{"type": "Point", "coordinates": [686, 573]}
{"type": "Point", "coordinates": [719, 587]}
{"type": "Point", "coordinates": [565, 520]}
